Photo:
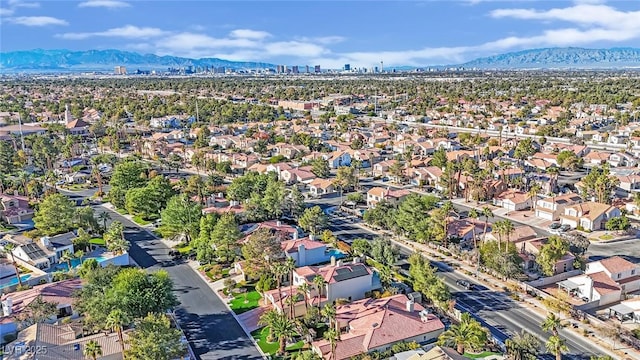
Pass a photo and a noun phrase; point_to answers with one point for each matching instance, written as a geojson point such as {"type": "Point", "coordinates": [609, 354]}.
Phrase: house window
{"type": "Point", "coordinates": [618, 276]}
{"type": "Point", "coordinates": [633, 272]}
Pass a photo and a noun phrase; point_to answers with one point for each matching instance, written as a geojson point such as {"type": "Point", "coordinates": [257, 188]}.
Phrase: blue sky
{"type": "Point", "coordinates": [329, 33]}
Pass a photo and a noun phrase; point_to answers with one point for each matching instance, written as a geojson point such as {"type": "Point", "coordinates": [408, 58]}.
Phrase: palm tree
{"type": "Point", "coordinates": [8, 249]}
{"type": "Point", "coordinates": [92, 350]}
{"type": "Point", "coordinates": [553, 173]}
{"type": "Point", "coordinates": [79, 255]}
{"type": "Point", "coordinates": [318, 281]}
{"type": "Point", "coordinates": [533, 192]}
{"type": "Point", "coordinates": [468, 334]}
{"type": "Point", "coordinates": [551, 324]}
{"type": "Point", "coordinates": [116, 320]}
{"type": "Point", "coordinates": [267, 319]}
{"type": "Point", "coordinates": [487, 213]}
{"type": "Point", "coordinates": [498, 229]}
{"type": "Point", "coordinates": [279, 271]}
{"type": "Point", "coordinates": [329, 312]}
{"type": "Point", "coordinates": [66, 257]}
{"type": "Point", "coordinates": [119, 246]}
{"type": "Point", "coordinates": [556, 346]}
{"type": "Point", "coordinates": [303, 290]}
{"type": "Point", "coordinates": [104, 217]}
{"type": "Point", "coordinates": [473, 214]}
{"type": "Point", "coordinates": [283, 328]}
{"type": "Point", "coordinates": [508, 229]}
{"type": "Point", "coordinates": [447, 207]}
{"type": "Point", "coordinates": [523, 346]}
{"type": "Point", "coordinates": [289, 266]}
{"type": "Point", "coordinates": [332, 336]}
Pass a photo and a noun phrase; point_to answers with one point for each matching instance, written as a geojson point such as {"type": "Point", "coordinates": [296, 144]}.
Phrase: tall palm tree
{"type": "Point", "coordinates": [92, 350]}
{"type": "Point", "coordinates": [533, 192]}
{"type": "Point", "coordinates": [551, 324]}
{"type": "Point", "coordinates": [289, 266]}
{"type": "Point", "coordinates": [447, 207]}
{"type": "Point", "coordinates": [8, 249]}
{"type": "Point", "coordinates": [329, 312]}
{"type": "Point", "coordinates": [487, 213]}
{"type": "Point", "coordinates": [473, 214]}
{"type": "Point", "coordinates": [523, 346]}
{"type": "Point", "coordinates": [303, 290]}
{"type": "Point", "coordinates": [332, 336]}
{"type": "Point", "coordinates": [104, 217]}
{"type": "Point", "coordinates": [267, 319]}
{"type": "Point", "coordinates": [508, 229]}
{"type": "Point", "coordinates": [283, 329]}
{"type": "Point", "coordinates": [318, 281]}
{"type": "Point", "coordinates": [556, 346]}
{"type": "Point", "coordinates": [279, 271]}
{"type": "Point", "coordinates": [119, 246]}
{"type": "Point", "coordinates": [79, 254]}
{"type": "Point", "coordinates": [498, 227]}
{"type": "Point", "coordinates": [116, 320]}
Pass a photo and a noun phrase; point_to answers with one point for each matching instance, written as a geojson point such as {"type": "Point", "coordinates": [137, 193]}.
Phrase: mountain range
{"type": "Point", "coordinates": [104, 60]}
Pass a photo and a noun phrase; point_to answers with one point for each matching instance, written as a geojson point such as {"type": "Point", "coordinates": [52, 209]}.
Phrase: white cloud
{"type": "Point", "coordinates": [6, 12]}
{"type": "Point", "coordinates": [17, 3]}
{"type": "Point", "coordinates": [110, 4]}
{"type": "Point", "coordinates": [128, 31]}
{"type": "Point", "coordinates": [249, 34]}
{"type": "Point", "coordinates": [36, 21]}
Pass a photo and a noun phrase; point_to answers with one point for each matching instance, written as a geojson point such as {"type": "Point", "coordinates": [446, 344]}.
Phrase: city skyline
{"type": "Point", "coordinates": [330, 34]}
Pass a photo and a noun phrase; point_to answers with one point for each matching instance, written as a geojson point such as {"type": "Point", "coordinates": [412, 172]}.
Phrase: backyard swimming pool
{"type": "Point", "coordinates": [13, 280]}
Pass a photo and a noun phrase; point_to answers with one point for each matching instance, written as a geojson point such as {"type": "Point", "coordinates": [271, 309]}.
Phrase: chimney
{"type": "Point", "coordinates": [7, 307]}
{"type": "Point", "coordinates": [278, 223]}
{"type": "Point", "coordinates": [410, 306]}
{"type": "Point", "coordinates": [333, 261]}
{"type": "Point", "coordinates": [45, 241]}
{"type": "Point", "coordinates": [312, 237]}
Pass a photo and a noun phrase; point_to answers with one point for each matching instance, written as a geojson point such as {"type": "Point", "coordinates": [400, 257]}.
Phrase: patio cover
{"type": "Point", "coordinates": [621, 309]}
{"type": "Point", "coordinates": [568, 284]}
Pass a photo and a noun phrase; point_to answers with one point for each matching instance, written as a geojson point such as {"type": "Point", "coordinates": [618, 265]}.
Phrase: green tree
{"type": "Point", "coordinates": [55, 214]}
{"type": "Point", "coordinates": [7, 157]}
{"type": "Point", "coordinates": [556, 346]}
{"type": "Point", "coordinates": [384, 252]}
{"type": "Point", "coordinates": [552, 324]}
{"type": "Point", "coordinates": [141, 202]}
{"type": "Point", "coordinates": [599, 183]}
{"type": "Point", "coordinates": [620, 223]}
{"type": "Point", "coordinates": [523, 346]}
{"type": "Point", "coordinates": [181, 217]}
{"type": "Point", "coordinates": [567, 159]}
{"type": "Point", "coordinates": [281, 327]}
{"type": "Point", "coordinates": [320, 167]}
{"type": "Point", "coordinates": [273, 200]}
{"type": "Point", "coordinates": [467, 335]}
{"type": "Point", "coordinates": [524, 149]}
{"type": "Point", "coordinates": [555, 248]}
{"type": "Point", "coordinates": [85, 218]}
{"type": "Point", "coordinates": [426, 282]}
{"type": "Point", "coordinates": [155, 339]}
{"type": "Point", "coordinates": [114, 233]}
{"type": "Point", "coordinates": [360, 247]}
{"type": "Point", "coordinates": [294, 203]}
{"type": "Point", "coordinates": [126, 175]}
{"type": "Point", "coordinates": [262, 248]}
{"type": "Point", "coordinates": [313, 220]}
{"type": "Point", "coordinates": [225, 236]}
{"type": "Point", "coordinates": [92, 350]}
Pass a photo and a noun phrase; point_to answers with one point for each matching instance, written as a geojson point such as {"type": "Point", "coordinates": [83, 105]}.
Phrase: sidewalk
{"type": "Point", "coordinates": [528, 302]}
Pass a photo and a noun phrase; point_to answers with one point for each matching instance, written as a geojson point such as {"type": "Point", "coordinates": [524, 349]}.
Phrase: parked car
{"type": "Point", "coordinates": [565, 228]}
{"type": "Point", "coordinates": [554, 226]}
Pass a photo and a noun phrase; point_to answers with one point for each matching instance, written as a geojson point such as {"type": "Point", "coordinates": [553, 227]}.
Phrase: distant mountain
{"type": "Point", "coordinates": [106, 60]}
{"type": "Point", "coordinates": [560, 58]}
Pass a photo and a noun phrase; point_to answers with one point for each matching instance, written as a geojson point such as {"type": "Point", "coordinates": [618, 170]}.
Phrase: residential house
{"type": "Point", "coordinates": [64, 341]}
{"type": "Point", "coordinates": [352, 281]}
{"type": "Point", "coordinates": [78, 177]}
{"type": "Point", "coordinates": [605, 281]}
{"type": "Point", "coordinates": [377, 194]}
{"type": "Point", "coordinates": [551, 208]}
{"type": "Point", "coordinates": [513, 200]}
{"type": "Point", "coordinates": [377, 324]}
{"type": "Point", "coordinates": [589, 215]}
{"type": "Point", "coordinates": [59, 293]}
{"type": "Point", "coordinates": [319, 187]}
{"type": "Point", "coordinates": [464, 229]}
{"type": "Point", "coordinates": [293, 176]}
{"type": "Point", "coordinates": [78, 127]}
{"type": "Point", "coordinates": [339, 158]}
{"type": "Point", "coordinates": [622, 159]}
{"type": "Point", "coordinates": [530, 250]}
{"type": "Point", "coordinates": [42, 254]}
{"type": "Point", "coordinates": [629, 183]}
{"type": "Point", "coordinates": [435, 353]}
{"type": "Point", "coordinates": [307, 251]}
{"type": "Point", "coordinates": [14, 209]}
{"type": "Point", "coordinates": [382, 168]}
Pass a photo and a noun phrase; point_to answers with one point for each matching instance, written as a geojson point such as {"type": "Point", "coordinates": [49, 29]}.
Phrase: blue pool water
{"type": "Point", "coordinates": [335, 253]}
{"type": "Point", "coordinates": [74, 263]}
{"type": "Point", "coordinates": [14, 281]}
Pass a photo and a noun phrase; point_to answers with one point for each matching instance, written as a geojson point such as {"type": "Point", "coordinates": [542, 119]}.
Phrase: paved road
{"type": "Point", "coordinates": [212, 331]}
{"type": "Point", "coordinates": [494, 307]}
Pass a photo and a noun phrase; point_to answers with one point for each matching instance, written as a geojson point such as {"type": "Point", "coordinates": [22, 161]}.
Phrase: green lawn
{"type": "Point", "coordinates": [97, 241]}
{"type": "Point", "coordinates": [481, 355]}
{"type": "Point", "coordinates": [183, 248]}
{"type": "Point", "coordinates": [606, 237]}
{"type": "Point", "coordinates": [238, 304]}
{"type": "Point", "coordinates": [140, 221]}
{"type": "Point", "coordinates": [271, 348]}
{"type": "Point", "coordinates": [122, 211]}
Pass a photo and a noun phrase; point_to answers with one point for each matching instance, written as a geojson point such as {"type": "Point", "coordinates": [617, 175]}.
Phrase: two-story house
{"type": "Point", "coordinates": [589, 215]}
{"type": "Point", "coordinates": [307, 251]}
{"type": "Point", "coordinates": [352, 281]}
{"type": "Point", "coordinates": [605, 281]}
{"type": "Point", "coordinates": [14, 209]}
{"type": "Point", "coordinates": [551, 208]}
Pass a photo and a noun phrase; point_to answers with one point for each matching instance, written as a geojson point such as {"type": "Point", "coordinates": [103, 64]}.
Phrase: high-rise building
{"type": "Point", "coordinates": [316, 69]}
{"type": "Point", "coordinates": [307, 69]}
{"type": "Point", "coordinates": [120, 70]}
{"type": "Point", "coordinates": [280, 69]}
{"type": "Point", "coordinates": [347, 67]}
{"type": "Point", "coordinates": [294, 69]}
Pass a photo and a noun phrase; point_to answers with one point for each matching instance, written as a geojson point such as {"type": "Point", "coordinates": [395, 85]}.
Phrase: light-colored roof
{"type": "Point", "coordinates": [616, 264]}
{"type": "Point", "coordinates": [59, 292]}
{"type": "Point", "coordinates": [591, 210]}
{"type": "Point", "coordinates": [291, 246]}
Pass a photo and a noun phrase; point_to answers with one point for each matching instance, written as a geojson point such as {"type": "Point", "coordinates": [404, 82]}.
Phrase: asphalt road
{"type": "Point", "coordinates": [493, 307]}
{"type": "Point", "coordinates": [211, 329]}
